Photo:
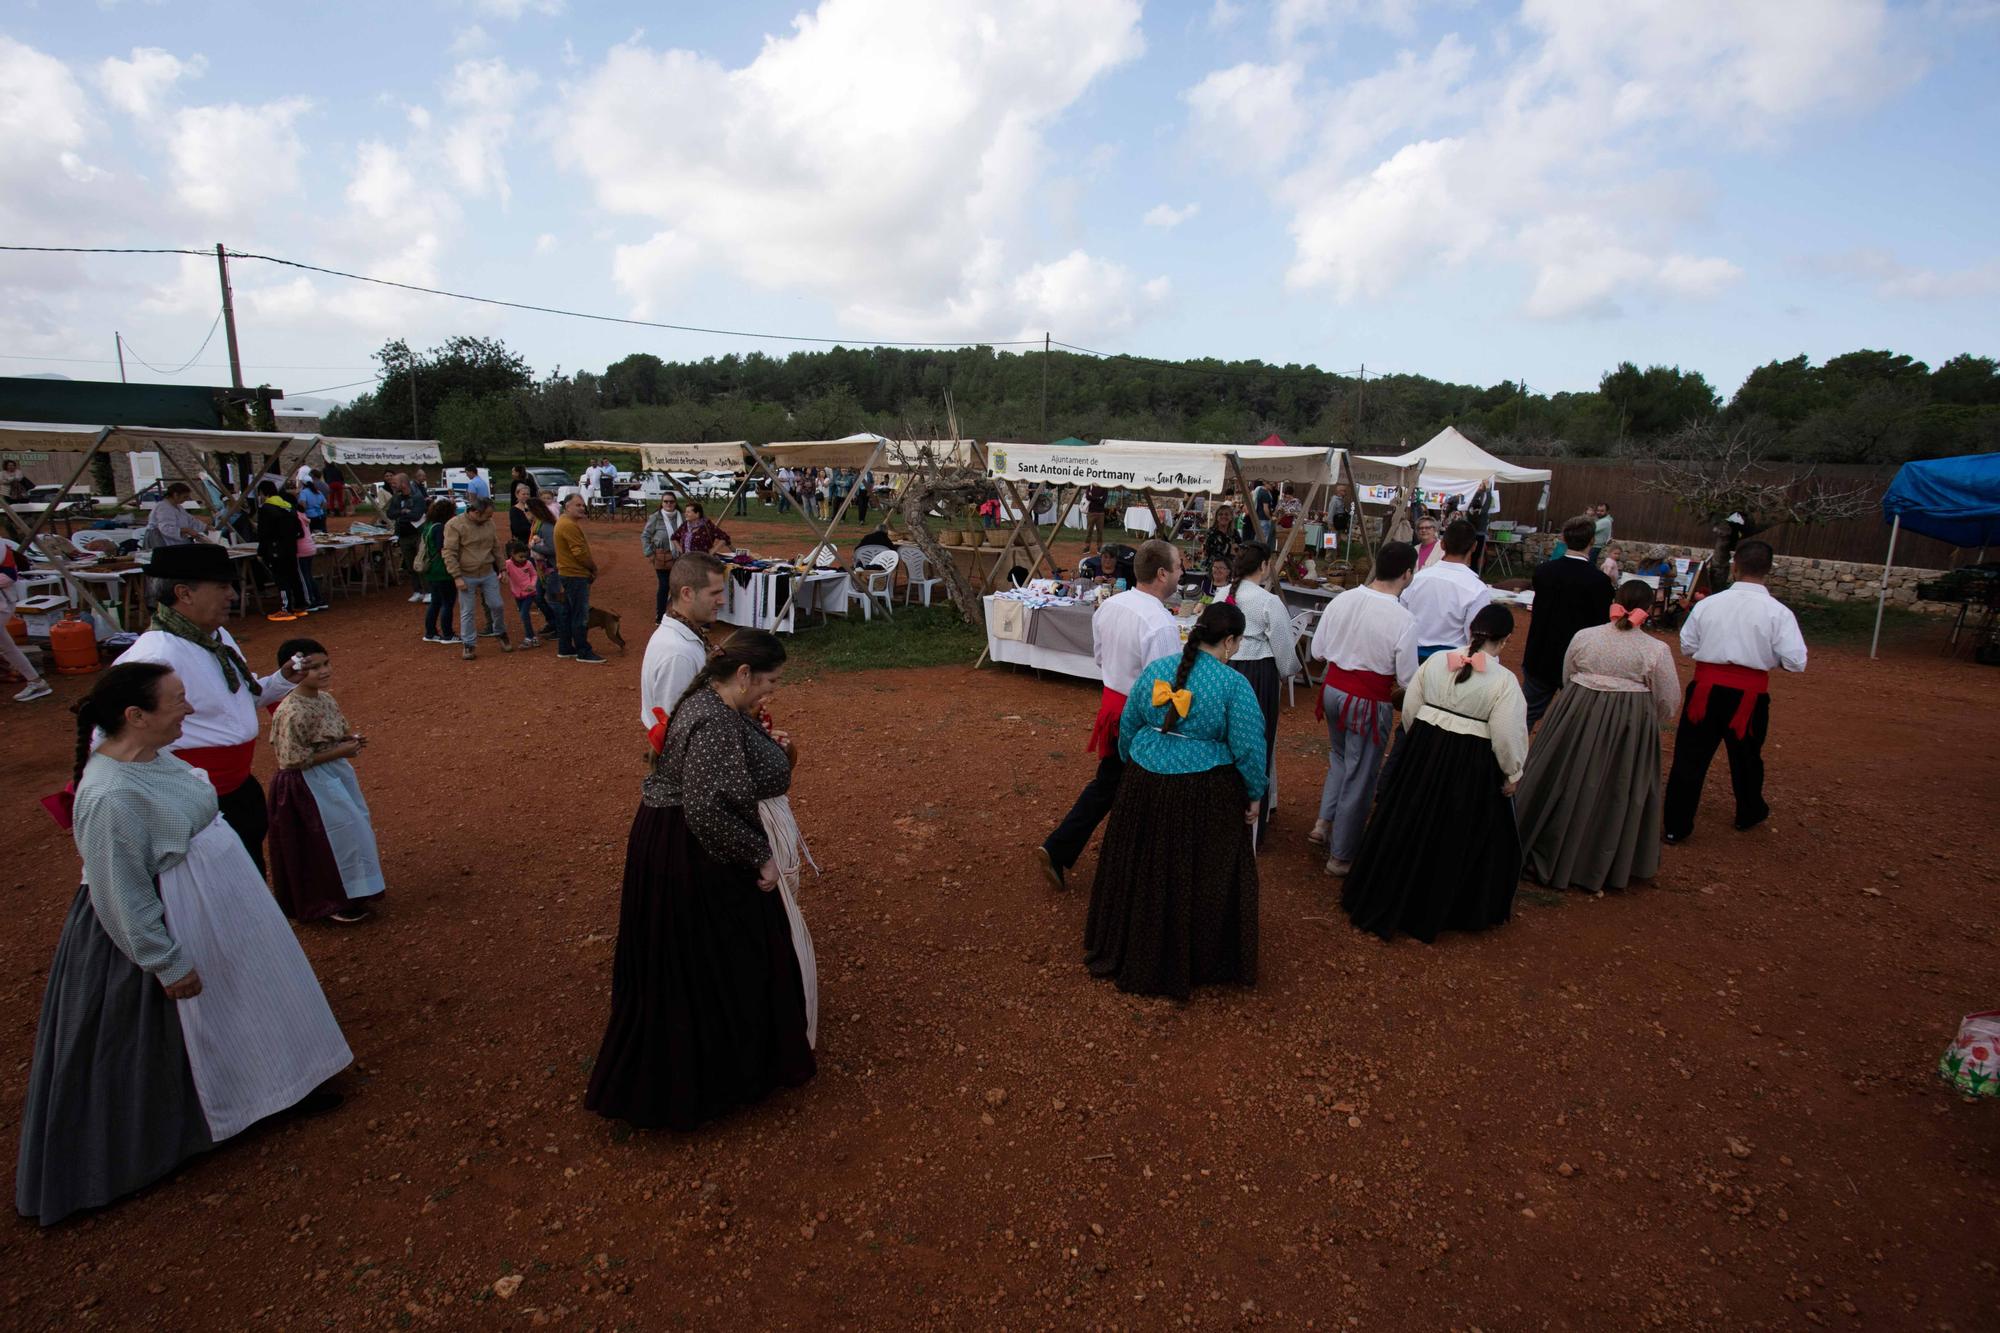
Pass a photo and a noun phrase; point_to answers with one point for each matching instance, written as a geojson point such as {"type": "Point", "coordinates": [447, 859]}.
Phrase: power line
{"type": "Point", "coordinates": [307, 393]}
{"type": "Point", "coordinates": [185, 364]}
{"type": "Point", "coordinates": [107, 361]}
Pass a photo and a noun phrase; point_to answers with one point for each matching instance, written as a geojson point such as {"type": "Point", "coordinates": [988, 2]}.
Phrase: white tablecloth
{"type": "Point", "coordinates": [1019, 652]}
{"type": "Point", "coordinates": [756, 605]}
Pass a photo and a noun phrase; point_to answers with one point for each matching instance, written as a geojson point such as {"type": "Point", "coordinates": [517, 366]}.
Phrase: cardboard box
{"type": "Point", "coordinates": [39, 613]}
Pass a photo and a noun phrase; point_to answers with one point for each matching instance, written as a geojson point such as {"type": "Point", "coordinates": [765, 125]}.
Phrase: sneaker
{"type": "Point", "coordinates": [467, 655]}
{"type": "Point", "coordinates": [282, 615]}
{"type": "Point", "coordinates": [1336, 866]}
{"type": "Point", "coordinates": [591, 658]}
{"type": "Point", "coordinates": [322, 607]}
{"type": "Point", "coordinates": [417, 597]}
{"type": "Point", "coordinates": [426, 597]}
{"type": "Point", "coordinates": [1050, 871]}
{"type": "Point", "coordinates": [565, 657]}
{"type": "Point", "coordinates": [493, 633]}
{"type": "Point", "coordinates": [37, 689]}
{"type": "Point", "coordinates": [531, 642]}
{"type": "Point", "coordinates": [506, 644]}
{"type": "Point", "coordinates": [350, 916]}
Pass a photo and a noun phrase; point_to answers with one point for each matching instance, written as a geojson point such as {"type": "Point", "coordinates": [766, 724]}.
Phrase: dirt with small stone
{"type": "Point", "coordinates": [1710, 1102]}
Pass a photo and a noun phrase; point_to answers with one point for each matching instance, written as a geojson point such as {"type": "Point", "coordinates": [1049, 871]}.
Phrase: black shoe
{"type": "Point", "coordinates": [1674, 839]}
{"type": "Point", "coordinates": [317, 1103]}
{"type": "Point", "coordinates": [1744, 826]}
{"type": "Point", "coordinates": [1050, 870]}
{"type": "Point", "coordinates": [591, 658]}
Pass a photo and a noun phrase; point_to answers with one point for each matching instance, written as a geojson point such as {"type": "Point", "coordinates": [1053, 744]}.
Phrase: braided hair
{"type": "Point", "coordinates": [1491, 625]}
{"type": "Point", "coordinates": [757, 649]}
{"type": "Point", "coordinates": [127, 685]}
{"type": "Point", "coordinates": [1219, 621]}
{"type": "Point", "coordinates": [1249, 558]}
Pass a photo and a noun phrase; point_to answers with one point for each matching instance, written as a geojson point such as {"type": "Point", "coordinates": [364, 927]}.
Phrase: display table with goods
{"type": "Point", "coordinates": [1046, 625]}
{"type": "Point", "coordinates": [759, 592]}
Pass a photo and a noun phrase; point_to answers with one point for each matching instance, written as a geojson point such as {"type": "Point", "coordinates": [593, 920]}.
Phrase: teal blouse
{"type": "Point", "coordinates": [1224, 725]}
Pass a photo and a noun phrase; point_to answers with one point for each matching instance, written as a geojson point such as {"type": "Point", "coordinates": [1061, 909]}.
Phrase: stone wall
{"type": "Point", "coordinates": [1800, 576]}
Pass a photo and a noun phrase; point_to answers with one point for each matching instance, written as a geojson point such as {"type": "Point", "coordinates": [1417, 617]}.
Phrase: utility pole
{"type": "Point", "coordinates": [411, 364]}
{"type": "Point", "coordinates": [119, 339]}
{"type": "Point", "coordinates": [1045, 385]}
{"type": "Point", "coordinates": [229, 318]}
{"type": "Point", "coordinates": [1360, 401]}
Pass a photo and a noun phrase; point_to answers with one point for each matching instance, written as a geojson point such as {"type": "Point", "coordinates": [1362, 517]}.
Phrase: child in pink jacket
{"type": "Point", "coordinates": [521, 581]}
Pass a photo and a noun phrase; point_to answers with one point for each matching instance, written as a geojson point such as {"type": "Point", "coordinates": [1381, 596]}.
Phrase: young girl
{"type": "Point", "coordinates": [441, 607]}
{"type": "Point", "coordinates": [307, 550]}
{"type": "Point", "coordinates": [323, 857]}
{"type": "Point", "coordinates": [523, 579]}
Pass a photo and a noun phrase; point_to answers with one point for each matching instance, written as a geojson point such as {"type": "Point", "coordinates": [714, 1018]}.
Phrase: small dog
{"type": "Point", "coordinates": [608, 622]}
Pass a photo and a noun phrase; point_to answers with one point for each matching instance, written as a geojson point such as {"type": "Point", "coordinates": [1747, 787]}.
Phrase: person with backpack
{"type": "Point", "coordinates": [441, 606]}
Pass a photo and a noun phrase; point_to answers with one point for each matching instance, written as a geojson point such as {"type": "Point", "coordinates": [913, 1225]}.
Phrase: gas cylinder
{"type": "Point", "coordinates": [74, 643]}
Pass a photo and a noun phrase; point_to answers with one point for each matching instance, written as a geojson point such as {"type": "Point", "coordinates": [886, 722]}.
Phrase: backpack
{"type": "Point", "coordinates": [422, 563]}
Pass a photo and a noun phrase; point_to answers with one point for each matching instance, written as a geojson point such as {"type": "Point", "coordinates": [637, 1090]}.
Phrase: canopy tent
{"type": "Point", "coordinates": [1448, 455]}
{"type": "Point", "coordinates": [1955, 500]}
{"type": "Point", "coordinates": [1154, 465]}
{"type": "Point", "coordinates": [58, 437]}
{"type": "Point", "coordinates": [351, 452]}
{"type": "Point", "coordinates": [1273, 441]}
{"type": "Point", "coordinates": [858, 452]}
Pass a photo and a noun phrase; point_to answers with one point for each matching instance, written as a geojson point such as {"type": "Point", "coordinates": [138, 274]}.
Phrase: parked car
{"type": "Point", "coordinates": [551, 480]}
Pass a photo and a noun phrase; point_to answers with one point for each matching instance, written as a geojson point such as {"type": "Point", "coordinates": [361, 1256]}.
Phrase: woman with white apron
{"type": "Point", "coordinates": [180, 1009]}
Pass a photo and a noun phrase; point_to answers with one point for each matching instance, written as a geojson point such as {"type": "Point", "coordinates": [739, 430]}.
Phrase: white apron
{"type": "Point", "coordinates": [260, 1035]}
{"type": "Point", "coordinates": [789, 851]}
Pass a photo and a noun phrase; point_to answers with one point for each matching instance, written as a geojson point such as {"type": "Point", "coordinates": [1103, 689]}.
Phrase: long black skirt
{"type": "Point", "coordinates": [111, 1103]}
{"type": "Point", "coordinates": [707, 1009]}
{"type": "Point", "coordinates": [1262, 674]}
{"type": "Point", "coordinates": [1441, 851]}
{"type": "Point", "coordinates": [1174, 905]}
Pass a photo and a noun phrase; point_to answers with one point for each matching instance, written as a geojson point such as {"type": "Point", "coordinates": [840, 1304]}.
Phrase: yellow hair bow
{"type": "Point", "coordinates": [1164, 693]}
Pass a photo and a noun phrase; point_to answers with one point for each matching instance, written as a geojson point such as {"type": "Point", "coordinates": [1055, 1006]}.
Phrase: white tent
{"type": "Point", "coordinates": [1449, 456]}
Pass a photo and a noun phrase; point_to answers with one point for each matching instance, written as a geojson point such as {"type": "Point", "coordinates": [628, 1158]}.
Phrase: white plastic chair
{"type": "Point", "coordinates": [1303, 625]}
{"type": "Point", "coordinates": [880, 585]}
{"type": "Point", "coordinates": [914, 574]}
{"type": "Point", "coordinates": [822, 556]}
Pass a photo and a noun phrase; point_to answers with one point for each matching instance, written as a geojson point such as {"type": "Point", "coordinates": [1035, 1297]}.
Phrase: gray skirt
{"type": "Point", "coordinates": [1589, 802]}
{"type": "Point", "coordinates": [111, 1104]}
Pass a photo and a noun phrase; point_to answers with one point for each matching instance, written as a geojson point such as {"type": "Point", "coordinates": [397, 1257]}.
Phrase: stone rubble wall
{"type": "Point", "coordinates": [1793, 576]}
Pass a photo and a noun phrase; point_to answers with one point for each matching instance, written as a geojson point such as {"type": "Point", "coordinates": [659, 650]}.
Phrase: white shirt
{"type": "Point", "coordinates": [220, 717]}
{"type": "Point", "coordinates": [1743, 625]}
{"type": "Point", "coordinates": [1444, 598]}
{"type": "Point", "coordinates": [673, 656]}
{"type": "Point", "coordinates": [1267, 629]}
{"type": "Point", "coordinates": [1366, 630]}
{"type": "Point", "coordinates": [304, 474]}
{"type": "Point", "coordinates": [590, 481]}
{"type": "Point", "coordinates": [1131, 631]}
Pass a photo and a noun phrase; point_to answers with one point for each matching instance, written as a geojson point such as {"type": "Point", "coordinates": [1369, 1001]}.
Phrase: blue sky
{"type": "Point", "coordinates": [1475, 192]}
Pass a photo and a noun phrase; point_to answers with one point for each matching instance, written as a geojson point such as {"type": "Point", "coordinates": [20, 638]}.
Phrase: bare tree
{"type": "Point", "coordinates": [1719, 476]}
{"type": "Point", "coordinates": [934, 482]}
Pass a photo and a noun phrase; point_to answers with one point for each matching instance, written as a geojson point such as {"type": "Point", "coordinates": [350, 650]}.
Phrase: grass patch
{"type": "Point", "coordinates": [1822, 620]}
{"type": "Point", "coordinates": [918, 636]}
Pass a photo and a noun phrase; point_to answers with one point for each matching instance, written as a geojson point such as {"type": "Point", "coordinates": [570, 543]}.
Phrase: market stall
{"type": "Point", "coordinates": [1955, 500]}
{"type": "Point", "coordinates": [1453, 468]}
{"type": "Point", "coordinates": [1050, 635]}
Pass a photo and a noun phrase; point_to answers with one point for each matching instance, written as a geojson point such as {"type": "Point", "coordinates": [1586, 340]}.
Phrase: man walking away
{"type": "Point", "coordinates": [1368, 640]}
{"type": "Point", "coordinates": [1129, 632]}
{"type": "Point", "coordinates": [472, 558]}
{"type": "Point", "coordinates": [1445, 597]}
{"type": "Point", "coordinates": [1571, 593]}
{"type": "Point", "coordinates": [1094, 500]}
{"type": "Point", "coordinates": [1737, 638]}
{"type": "Point", "coordinates": [575, 568]}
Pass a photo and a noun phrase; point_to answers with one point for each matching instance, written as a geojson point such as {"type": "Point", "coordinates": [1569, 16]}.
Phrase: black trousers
{"type": "Point", "coordinates": [1539, 697]}
{"type": "Point", "coordinates": [1694, 750]}
{"type": "Point", "coordinates": [1065, 846]}
{"type": "Point", "coordinates": [660, 595]}
{"type": "Point", "coordinates": [244, 811]}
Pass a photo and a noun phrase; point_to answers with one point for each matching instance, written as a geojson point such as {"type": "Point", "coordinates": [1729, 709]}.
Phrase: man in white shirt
{"type": "Point", "coordinates": [193, 585]}
{"type": "Point", "coordinates": [1368, 640]}
{"type": "Point", "coordinates": [1445, 597]}
{"type": "Point", "coordinates": [1736, 637]}
{"type": "Point", "coordinates": [589, 483]}
{"type": "Point", "coordinates": [1129, 632]}
{"type": "Point", "coordinates": [696, 588]}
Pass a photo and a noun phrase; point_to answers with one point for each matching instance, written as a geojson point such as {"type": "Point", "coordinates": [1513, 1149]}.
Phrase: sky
{"type": "Point", "coordinates": [1476, 192]}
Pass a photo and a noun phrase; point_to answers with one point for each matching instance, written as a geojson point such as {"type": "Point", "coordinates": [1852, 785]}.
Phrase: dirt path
{"type": "Point", "coordinates": [1704, 1104]}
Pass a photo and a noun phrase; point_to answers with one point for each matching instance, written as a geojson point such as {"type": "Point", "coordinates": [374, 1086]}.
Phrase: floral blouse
{"type": "Point", "coordinates": [716, 765]}
{"type": "Point", "coordinates": [303, 726]}
{"type": "Point", "coordinates": [702, 537]}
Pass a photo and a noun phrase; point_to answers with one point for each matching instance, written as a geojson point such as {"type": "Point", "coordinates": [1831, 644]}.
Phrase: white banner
{"type": "Point", "coordinates": [691, 457]}
{"type": "Point", "coordinates": [380, 453]}
{"type": "Point", "coordinates": [1434, 492]}
{"type": "Point", "coordinates": [1133, 468]}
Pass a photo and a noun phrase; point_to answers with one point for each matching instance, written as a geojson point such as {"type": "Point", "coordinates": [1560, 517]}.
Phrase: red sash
{"type": "Point", "coordinates": [227, 766]}
{"type": "Point", "coordinates": [1104, 731]}
{"type": "Point", "coordinates": [1753, 683]}
{"type": "Point", "coordinates": [1361, 687]}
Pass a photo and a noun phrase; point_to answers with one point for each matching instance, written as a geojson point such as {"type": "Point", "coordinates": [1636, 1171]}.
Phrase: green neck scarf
{"type": "Point", "coordinates": [235, 671]}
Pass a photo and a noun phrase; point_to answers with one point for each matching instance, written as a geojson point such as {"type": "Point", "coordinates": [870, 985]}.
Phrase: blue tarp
{"type": "Point", "coordinates": [1956, 500]}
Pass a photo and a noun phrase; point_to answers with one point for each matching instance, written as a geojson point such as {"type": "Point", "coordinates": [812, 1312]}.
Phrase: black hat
{"type": "Point", "coordinates": [192, 562]}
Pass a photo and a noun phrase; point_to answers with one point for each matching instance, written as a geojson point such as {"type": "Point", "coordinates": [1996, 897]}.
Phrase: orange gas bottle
{"type": "Point", "coordinates": [74, 643]}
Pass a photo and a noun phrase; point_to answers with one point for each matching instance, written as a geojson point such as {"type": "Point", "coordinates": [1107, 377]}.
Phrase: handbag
{"type": "Point", "coordinates": [1971, 1063]}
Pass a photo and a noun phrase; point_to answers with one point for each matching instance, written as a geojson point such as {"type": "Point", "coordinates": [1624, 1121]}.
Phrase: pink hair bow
{"type": "Point", "coordinates": [1637, 615]}
{"type": "Point", "coordinates": [1458, 661]}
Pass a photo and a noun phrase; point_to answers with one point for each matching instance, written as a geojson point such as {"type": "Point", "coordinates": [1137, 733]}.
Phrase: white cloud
{"type": "Point", "coordinates": [1248, 115]}
{"type": "Point", "coordinates": [1894, 280]}
{"type": "Point", "coordinates": [1082, 291]}
{"type": "Point", "coordinates": [470, 40]}
{"type": "Point", "coordinates": [514, 9]}
{"type": "Point", "coordinates": [1223, 15]}
{"type": "Point", "coordinates": [227, 158]}
{"type": "Point", "coordinates": [484, 94]}
{"type": "Point", "coordinates": [136, 86]}
{"type": "Point", "coordinates": [880, 154]}
{"type": "Point", "coordinates": [546, 243]}
{"type": "Point", "coordinates": [1166, 215]}
{"type": "Point", "coordinates": [1545, 152]}
{"type": "Point", "coordinates": [43, 111]}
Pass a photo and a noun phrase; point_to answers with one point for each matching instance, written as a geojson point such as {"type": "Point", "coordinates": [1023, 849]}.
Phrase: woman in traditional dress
{"type": "Point", "coordinates": [1590, 801]}
{"type": "Point", "coordinates": [324, 864]}
{"type": "Point", "coordinates": [1440, 852]}
{"type": "Point", "coordinates": [1174, 905]}
{"type": "Point", "coordinates": [179, 1008]}
{"type": "Point", "coordinates": [708, 995]}
{"type": "Point", "coordinates": [1269, 653]}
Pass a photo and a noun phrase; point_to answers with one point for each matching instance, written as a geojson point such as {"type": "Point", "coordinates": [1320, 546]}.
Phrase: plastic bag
{"type": "Point", "coordinates": [1971, 1063]}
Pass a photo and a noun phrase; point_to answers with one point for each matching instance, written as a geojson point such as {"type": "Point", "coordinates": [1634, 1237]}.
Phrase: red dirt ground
{"type": "Point", "coordinates": [1704, 1104]}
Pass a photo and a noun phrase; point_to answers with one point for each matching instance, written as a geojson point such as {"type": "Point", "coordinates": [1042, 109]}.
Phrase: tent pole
{"type": "Point", "coordinates": [826, 537]}
{"type": "Point", "coordinates": [41, 520]}
{"type": "Point", "coordinates": [1279, 557]}
{"type": "Point", "coordinates": [1882, 594]}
